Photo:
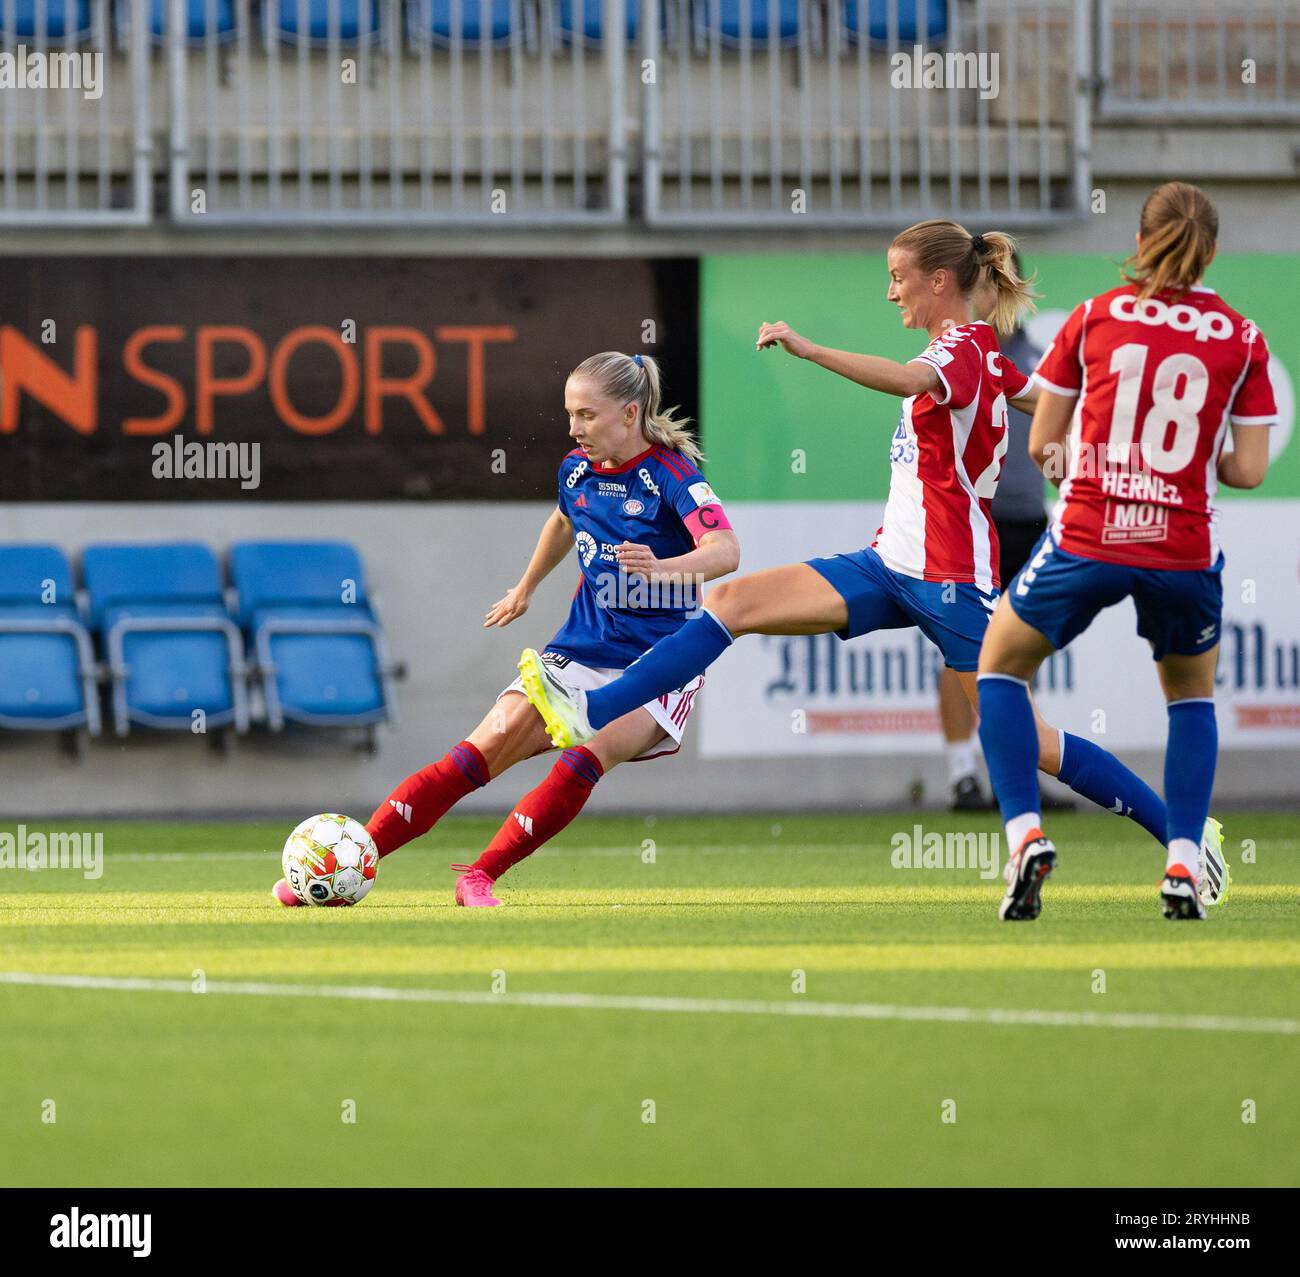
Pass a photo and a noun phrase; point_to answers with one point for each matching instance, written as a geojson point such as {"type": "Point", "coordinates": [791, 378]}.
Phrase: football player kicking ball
{"type": "Point", "coordinates": [933, 563]}
{"type": "Point", "coordinates": [648, 531]}
{"type": "Point", "coordinates": [1167, 365]}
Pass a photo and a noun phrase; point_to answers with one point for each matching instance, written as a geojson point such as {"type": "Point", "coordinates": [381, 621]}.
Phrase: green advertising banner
{"type": "Point", "coordinates": [780, 429]}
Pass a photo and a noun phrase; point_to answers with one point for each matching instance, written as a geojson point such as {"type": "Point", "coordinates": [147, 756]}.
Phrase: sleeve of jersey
{"type": "Point", "coordinates": [958, 367]}
{"type": "Point", "coordinates": [1060, 370]}
{"type": "Point", "coordinates": [1014, 381]}
{"type": "Point", "coordinates": [697, 505]}
{"type": "Point", "coordinates": [1255, 403]}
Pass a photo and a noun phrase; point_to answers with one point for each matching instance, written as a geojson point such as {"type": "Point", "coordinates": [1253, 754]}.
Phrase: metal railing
{"type": "Point", "coordinates": [415, 122]}
{"type": "Point", "coordinates": [846, 112]}
{"type": "Point", "coordinates": [1199, 59]}
{"type": "Point", "coordinates": [75, 121]}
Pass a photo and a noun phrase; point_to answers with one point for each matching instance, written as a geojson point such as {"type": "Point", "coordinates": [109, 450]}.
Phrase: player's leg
{"type": "Point", "coordinates": [957, 718]}
{"type": "Point", "coordinates": [789, 600]}
{"type": "Point", "coordinates": [1180, 615]}
{"type": "Point", "coordinates": [1190, 758]}
{"type": "Point", "coordinates": [1013, 748]}
{"type": "Point", "coordinates": [543, 812]}
{"type": "Point", "coordinates": [511, 731]}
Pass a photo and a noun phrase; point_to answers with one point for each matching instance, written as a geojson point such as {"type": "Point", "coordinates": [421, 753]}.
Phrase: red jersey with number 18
{"type": "Point", "coordinates": [1158, 382]}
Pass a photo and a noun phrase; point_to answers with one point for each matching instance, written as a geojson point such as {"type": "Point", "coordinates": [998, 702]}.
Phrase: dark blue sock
{"type": "Point", "coordinates": [1189, 766]}
{"type": "Point", "coordinates": [670, 664]}
{"type": "Point", "coordinates": [1101, 778]}
{"type": "Point", "coordinates": [1009, 739]}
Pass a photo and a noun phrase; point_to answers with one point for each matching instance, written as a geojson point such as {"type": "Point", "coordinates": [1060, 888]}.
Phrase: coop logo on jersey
{"type": "Point", "coordinates": [702, 494]}
{"type": "Point", "coordinates": [575, 474]}
{"type": "Point", "coordinates": [633, 506]}
{"type": "Point", "coordinates": [1207, 325]}
{"type": "Point", "coordinates": [644, 475]}
{"type": "Point", "coordinates": [586, 544]}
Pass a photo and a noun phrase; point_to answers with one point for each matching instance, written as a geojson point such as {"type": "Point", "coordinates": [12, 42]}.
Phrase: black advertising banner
{"type": "Point", "coordinates": [151, 378]}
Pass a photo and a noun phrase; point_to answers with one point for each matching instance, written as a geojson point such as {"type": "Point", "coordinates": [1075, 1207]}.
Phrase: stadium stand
{"type": "Point", "coordinates": [320, 651]}
{"type": "Point", "coordinates": [171, 645]}
{"type": "Point", "coordinates": [47, 661]}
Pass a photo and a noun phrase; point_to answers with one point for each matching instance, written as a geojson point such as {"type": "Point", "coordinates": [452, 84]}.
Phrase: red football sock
{"type": "Point", "coordinates": [421, 800]}
{"type": "Point", "coordinates": [541, 815]}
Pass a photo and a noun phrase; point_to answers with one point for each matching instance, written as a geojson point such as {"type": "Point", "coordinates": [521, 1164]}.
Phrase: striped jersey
{"type": "Point", "coordinates": [1157, 381]}
{"type": "Point", "coordinates": [945, 458]}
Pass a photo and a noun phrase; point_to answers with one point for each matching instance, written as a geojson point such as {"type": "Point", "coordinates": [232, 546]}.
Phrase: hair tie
{"type": "Point", "coordinates": [977, 243]}
{"type": "Point", "coordinates": [636, 359]}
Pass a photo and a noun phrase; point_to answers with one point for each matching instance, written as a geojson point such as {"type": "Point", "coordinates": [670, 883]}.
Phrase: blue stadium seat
{"type": "Point", "coordinates": [310, 19]}
{"type": "Point", "coordinates": [875, 14]}
{"type": "Point", "coordinates": [586, 18]}
{"type": "Point", "coordinates": [47, 660]}
{"type": "Point", "coordinates": [434, 19]}
{"type": "Point", "coordinates": [320, 650]}
{"type": "Point", "coordinates": [729, 16]}
{"type": "Point", "coordinates": [220, 24]}
{"type": "Point", "coordinates": [61, 16]}
{"type": "Point", "coordinates": [171, 644]}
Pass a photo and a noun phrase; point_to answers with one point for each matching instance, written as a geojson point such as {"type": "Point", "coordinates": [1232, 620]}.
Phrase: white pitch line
{"type": "Point", "coordinates": [698, 1006]}
{"type": "Point", "coordinates": [747, 849]}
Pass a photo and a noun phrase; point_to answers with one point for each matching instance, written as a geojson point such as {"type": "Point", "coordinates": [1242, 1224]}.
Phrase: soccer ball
{"type": "Point", "coordinates": [330, 860]}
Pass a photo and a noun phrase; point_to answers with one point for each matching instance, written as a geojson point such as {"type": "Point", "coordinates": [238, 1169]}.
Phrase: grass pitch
{"type": "Point", "coordinates": [651, 970]}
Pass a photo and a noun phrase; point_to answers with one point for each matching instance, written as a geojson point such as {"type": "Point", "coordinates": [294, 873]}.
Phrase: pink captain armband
{"type": "Point", "coordinates": [708, 518]}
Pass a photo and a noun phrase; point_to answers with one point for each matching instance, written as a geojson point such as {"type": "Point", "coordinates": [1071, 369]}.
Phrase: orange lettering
{"type": "Point", "coordinates": [409, 388]}
{"type": "Point", "coordinates": [341, 411]}
{"type": "Point", "coordinates": [476, 336]}
{"type": "Point", "coordinates": [207, 386]}
{"type": "Point", "coordinates": [133, 361]}
{"type": "Point", "coordinates": [26, 367]}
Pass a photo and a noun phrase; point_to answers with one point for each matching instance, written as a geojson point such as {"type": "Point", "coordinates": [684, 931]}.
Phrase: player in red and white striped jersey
{"type": "Point", "coordinates": [1139, 390]}
{"type": "Point", "coordinates": [946, 456]}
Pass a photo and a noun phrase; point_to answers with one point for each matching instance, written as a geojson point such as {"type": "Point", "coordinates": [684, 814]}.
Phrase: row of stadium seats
{"type": "Point", "coordinates": [438, 19]}
{"type": "Point", "coordinates": [295, 640]}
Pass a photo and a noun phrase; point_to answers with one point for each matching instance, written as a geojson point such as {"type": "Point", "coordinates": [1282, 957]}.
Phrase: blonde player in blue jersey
{"type": "Point", "coordinates": [648, 531]}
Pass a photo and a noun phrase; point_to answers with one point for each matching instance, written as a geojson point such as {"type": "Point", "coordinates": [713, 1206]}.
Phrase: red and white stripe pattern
{"type": "Point", "coordinates": [946, 458]}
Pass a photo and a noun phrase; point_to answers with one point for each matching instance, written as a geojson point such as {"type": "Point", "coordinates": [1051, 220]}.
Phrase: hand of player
{"type": "Point", "coordinates": [507, 609]}
{"type": "Point", "coordinates": [783, 335]}
{"type": "Point", "coordinates": [636, 559]}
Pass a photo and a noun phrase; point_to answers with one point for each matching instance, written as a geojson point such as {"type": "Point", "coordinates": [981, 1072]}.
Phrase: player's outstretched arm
{"type": "Point", "coordinates": [872, 371]}
{"type": "Point", "coordinates": [717, 554]}
{"type": "Point", "coordinates": [552, 549]}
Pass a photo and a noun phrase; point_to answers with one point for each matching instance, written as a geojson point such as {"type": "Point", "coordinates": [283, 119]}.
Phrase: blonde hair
{"type": "Point", "coordinates": [1179, 227]}
{"type": "Point", "coordinates": [636, 379]}
{"type": "Point", "coordinates": [978, 261]}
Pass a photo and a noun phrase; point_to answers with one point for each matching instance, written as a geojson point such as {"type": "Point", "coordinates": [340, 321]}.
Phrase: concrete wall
{"type": "Point", "coordinates": [436, 569]}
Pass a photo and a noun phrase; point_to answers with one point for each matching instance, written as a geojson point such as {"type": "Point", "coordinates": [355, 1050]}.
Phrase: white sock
{"type": "Point", "coordinates": [961, 759]}
{"type": "Point", "coordinates": [1185, 852]}
{"type": "Point", "coordinates": [1018, 827]}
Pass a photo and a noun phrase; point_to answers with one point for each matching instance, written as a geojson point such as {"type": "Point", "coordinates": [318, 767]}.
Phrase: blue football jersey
{"type": "Point", "coordinates": [659, 500]}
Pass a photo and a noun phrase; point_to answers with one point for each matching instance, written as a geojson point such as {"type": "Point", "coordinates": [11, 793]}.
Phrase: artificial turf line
{"type": "Point", "coordinates": [706, 1006]}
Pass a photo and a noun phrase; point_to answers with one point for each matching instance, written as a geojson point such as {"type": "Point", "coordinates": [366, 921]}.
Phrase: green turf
{"type": "Point", "coordinates": [177, 1088]}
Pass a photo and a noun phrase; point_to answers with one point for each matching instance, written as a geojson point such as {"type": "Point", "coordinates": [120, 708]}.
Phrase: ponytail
{"type": "Point", "coordinates": [1179, 227]}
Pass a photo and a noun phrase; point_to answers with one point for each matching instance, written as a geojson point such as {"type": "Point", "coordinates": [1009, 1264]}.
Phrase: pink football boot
{"type": "Point", "coordinates": [474, 888]}
{"type": "Point", "coordinates": [284, 894]}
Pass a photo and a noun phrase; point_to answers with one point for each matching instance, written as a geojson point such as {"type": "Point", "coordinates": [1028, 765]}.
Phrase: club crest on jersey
{"type": "Point", "coordinates": [633, 506]}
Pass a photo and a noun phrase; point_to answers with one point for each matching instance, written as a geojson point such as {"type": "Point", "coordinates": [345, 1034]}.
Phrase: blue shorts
{"type": "Point", "coordinates": [1178, 611]}
{"type": "Point", "coordinates": [952, 615]}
